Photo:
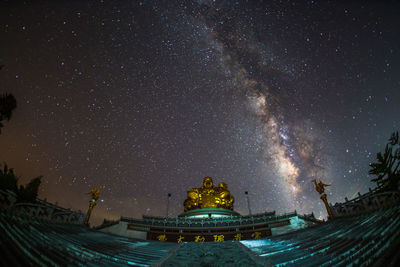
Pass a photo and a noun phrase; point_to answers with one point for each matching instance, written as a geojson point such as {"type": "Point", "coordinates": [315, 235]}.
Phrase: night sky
{"type": "Point", "coordinates": [149, 97]}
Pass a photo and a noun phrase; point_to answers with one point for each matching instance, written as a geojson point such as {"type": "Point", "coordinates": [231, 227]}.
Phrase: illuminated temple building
{"type": "Point", "coordinates": [208, 216]}
{"type": "Point", "coordinates": [364, 231]}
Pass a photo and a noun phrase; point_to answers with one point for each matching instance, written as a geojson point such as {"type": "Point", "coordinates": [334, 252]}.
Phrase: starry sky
{"type": "Point", "coordinates": [149, 97]}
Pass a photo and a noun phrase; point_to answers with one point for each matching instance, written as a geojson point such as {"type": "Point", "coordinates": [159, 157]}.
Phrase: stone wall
{"type": "Point", "coordinates": [368, 202]}
{"type": "Point", "coordinates": [41, 210]}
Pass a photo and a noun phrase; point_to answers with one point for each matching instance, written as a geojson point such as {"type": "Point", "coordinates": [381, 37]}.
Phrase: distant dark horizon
{"type": "Point", "coordinates": [149, 97]}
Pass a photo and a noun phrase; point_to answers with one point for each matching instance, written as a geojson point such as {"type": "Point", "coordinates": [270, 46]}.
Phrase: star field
{"type": "Point", "coordinates": [149, 97]}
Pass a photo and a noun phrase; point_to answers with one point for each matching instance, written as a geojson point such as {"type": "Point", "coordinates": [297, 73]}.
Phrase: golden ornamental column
{"type": "Point", "coordinates": [95, 195]}
{"type": "Point", "coordinates": [320, 188]}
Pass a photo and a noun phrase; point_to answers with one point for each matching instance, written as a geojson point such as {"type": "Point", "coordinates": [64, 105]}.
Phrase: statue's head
{"type": "Point", "coordinates": [208, 182]}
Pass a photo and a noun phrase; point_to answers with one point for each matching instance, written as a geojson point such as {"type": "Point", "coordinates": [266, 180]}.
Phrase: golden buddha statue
{"type": "Point", "coordinates": [209, 196]}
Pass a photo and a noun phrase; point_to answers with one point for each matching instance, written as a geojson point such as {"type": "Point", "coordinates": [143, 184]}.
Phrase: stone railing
{"type": "Point", "coordinates": [218, 219]}
{"type": "Point", "coordinates": [370, 201]}
{"type": "Point", "coordinates": [208, 222]}
{"type": "Point", "coordinates": [41, 210]}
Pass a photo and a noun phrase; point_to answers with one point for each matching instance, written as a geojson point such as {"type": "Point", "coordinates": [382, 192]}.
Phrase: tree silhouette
{"type": "Point", "coordinates": [29, 193]}
{"type": "Point", "coordinates": [387, 166]}
{"type": "Point", "coordinates": [7, 104]}
{"type": "Point", "coordinates": [8, 180]}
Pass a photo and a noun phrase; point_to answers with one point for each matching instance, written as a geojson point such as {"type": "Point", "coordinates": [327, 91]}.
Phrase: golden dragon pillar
{"type": "Point", "coordinates": [95, 195]}
{"type": "Point", "coordinates": [320, 188]}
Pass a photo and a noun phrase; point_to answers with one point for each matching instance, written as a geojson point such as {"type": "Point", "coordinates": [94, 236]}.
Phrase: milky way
{"type": "Point", "coordinates": [149, 97]}
{"type": "Point", "coordinates": [293, 152]}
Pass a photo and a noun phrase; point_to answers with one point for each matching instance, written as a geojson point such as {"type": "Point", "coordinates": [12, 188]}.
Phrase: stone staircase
{"type": "Point", "coordinates": [370, 239]}
{"type": "Point", "coordinates": [35, 242]}
{"type": "Point", "coordinates": [367, 239]}
{"type": "Point", "coordinates": [228, 253]}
